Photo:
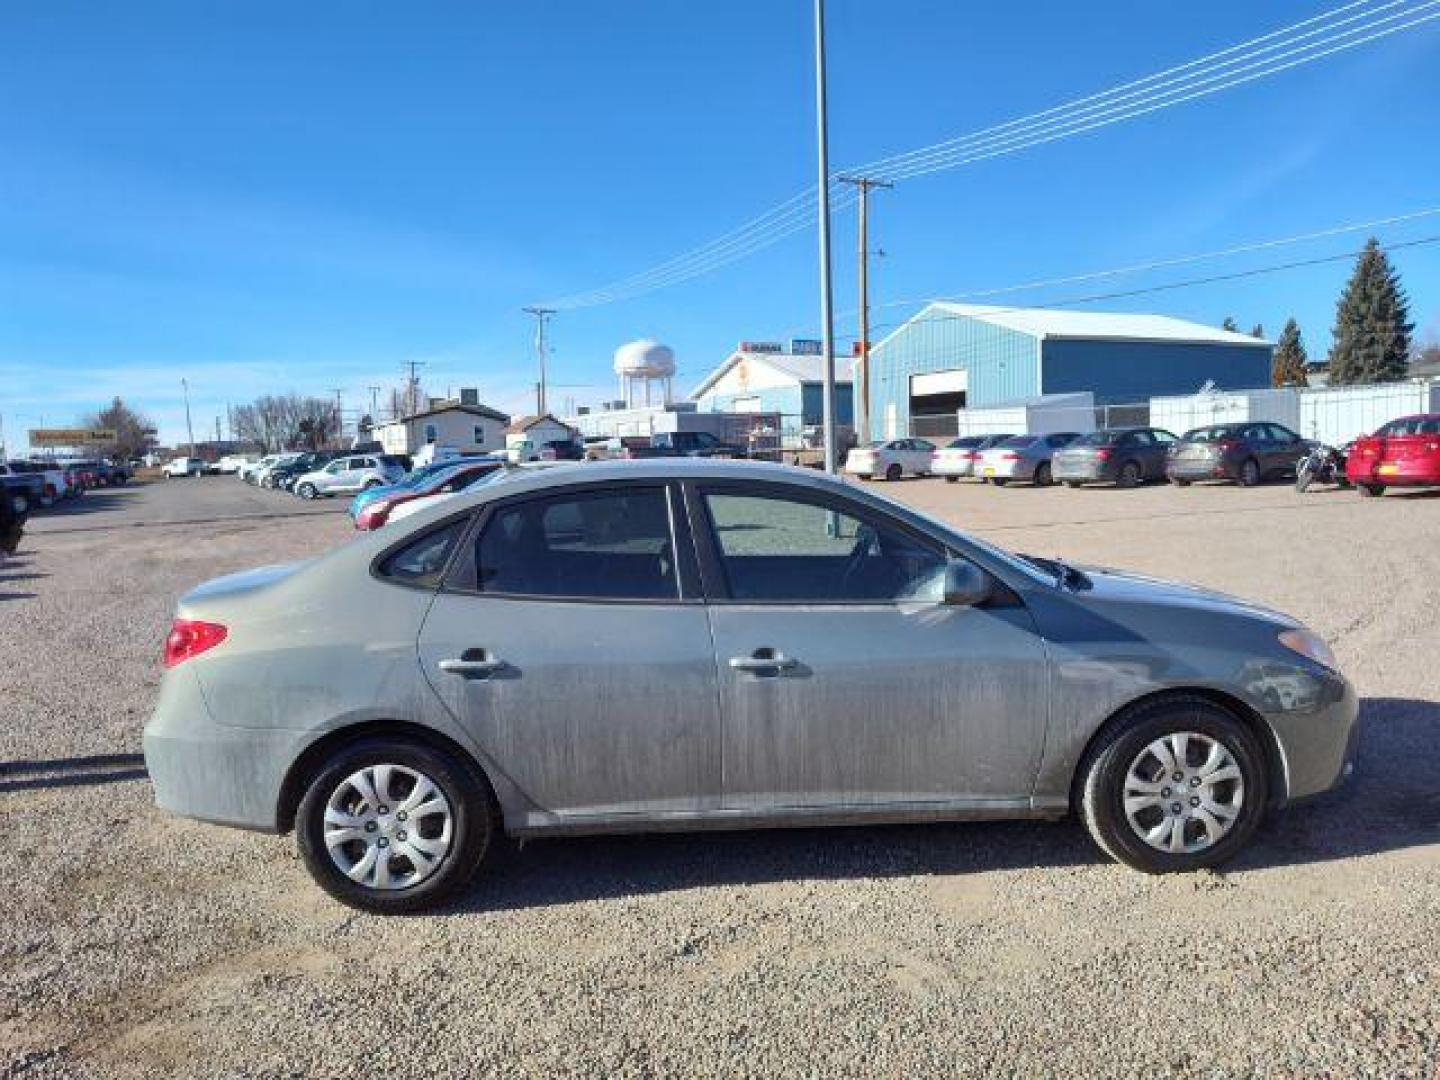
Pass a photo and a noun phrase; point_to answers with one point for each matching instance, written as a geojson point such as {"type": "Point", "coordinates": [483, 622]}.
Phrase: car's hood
{"type": "Point", "coordinates": [1118, 585]}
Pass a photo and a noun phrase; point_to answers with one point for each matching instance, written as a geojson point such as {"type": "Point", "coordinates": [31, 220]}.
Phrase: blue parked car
{"type": "Point", "coordinates": [412, 479]}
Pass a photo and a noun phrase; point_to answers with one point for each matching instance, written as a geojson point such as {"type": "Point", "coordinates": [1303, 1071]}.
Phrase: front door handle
{"type": "Point", "coordinates": [764, 661]}
{"type": "Point", "coordinates": [472, 664]}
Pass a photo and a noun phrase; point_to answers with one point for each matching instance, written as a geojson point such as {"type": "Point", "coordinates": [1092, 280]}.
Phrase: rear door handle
{"type": "Point", "coordinates": [769, 661]}
{"type": "Point", "coordinates": [472, 664]}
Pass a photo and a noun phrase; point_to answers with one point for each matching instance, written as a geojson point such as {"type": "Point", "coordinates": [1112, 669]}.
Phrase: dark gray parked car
{"type": "Point", "coordinates": [1123, 456]}
{"type": "Point", "coordinates": [691, 644]}
{"type": "Point", "coordinates": [1244, 452]}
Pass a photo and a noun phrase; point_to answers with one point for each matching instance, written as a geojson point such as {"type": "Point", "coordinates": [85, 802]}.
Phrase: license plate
{"type": "Point", "coordinates": [989, 470]}
{"type": "Point", "coordinates": [1388, 469]}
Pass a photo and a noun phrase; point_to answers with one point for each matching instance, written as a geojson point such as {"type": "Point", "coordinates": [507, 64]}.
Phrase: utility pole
{"type": "Point", "coordinates": [541, 315]}
{"type": "Point", "coordinates": [339, 415]}
{"type": "Point", "coordinates": [189, 427]}
{"type": "Point", "coordinates": [217, 429]}
{"type": "Point", "coordinates": [374, 405]}
{"type": "Point", "coordinates": [860, 380]}
{"type": "Point", "coordinates": [827, 307]}
{"type": "Point", "coordinates": [412, 387]}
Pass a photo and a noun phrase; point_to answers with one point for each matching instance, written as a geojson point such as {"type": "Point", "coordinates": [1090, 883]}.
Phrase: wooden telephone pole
{"type": "Point", "coordinates": [860, 380]}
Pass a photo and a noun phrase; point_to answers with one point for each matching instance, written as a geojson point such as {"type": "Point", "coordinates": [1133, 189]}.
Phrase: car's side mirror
{"type": "Point", "coordinates": [966, 585]}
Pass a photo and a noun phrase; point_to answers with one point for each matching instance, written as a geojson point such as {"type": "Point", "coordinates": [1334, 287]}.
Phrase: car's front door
{"type": "Point", "coordinates": [573, 644]}
{"type": "Point", "coordinates": [1286, 448]}
{"type": "Point", "coordinates": [844, 681]}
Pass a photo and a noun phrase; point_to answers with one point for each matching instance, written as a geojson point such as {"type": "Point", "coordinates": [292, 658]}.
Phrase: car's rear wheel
{"type": "Point", "coordinates": [1249, 472]}
{"type": "Point", "coordinates": [307, 491]}
{"type": "Point", "coordinates": [392, 826]}
{"type": "Point", "coordinates": [1178, 482]}
{"type": "Point", "coordinates": [1177, 784]}
{"type": "Point", "coordinates": [1129, 474]}
{"type": "Point", "coordinates": [1370, 491]}
{"type": "Point", "coordinates": [893, 473]}
{"type": "Point", "coordinates": [999, 481]}
{"type": "Point", "coordinates": [1072, 483]}
{"type": "Point", "coordinates": [1043, 477]}
{"type": "Point", "coordinates": [952, 479]}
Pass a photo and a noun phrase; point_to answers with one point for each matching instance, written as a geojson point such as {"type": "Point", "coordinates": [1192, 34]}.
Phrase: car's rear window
{"type": "Point", "coordinates": [1104, 437]}
{"type": "Point", "coordinates": [966, 442]}
{"type": "Point", "coordinates": [1019, 441]}
{"type": "Point", "coordinates": [1213, 434]}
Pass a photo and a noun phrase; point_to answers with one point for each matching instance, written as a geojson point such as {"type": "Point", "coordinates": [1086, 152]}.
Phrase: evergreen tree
{"type": "Point", "coordinates": [1258, 331]}
{"type": "Point", "coordinates": [1230, 324]}
{"type": "Point", "coordinates": [1288, 366]}
{"type": "Point", "coordinates": [1372, 323]}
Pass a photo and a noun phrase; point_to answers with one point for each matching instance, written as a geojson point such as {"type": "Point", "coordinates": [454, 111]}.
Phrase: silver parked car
{"type": "Point", "coordinates": [687, 644]}
{"type": "Point", "coordinates": [1023, 457]}
{"type": "Point", "coordinates": [961, 456]}
{"type": "Point", "coordinates": [346, 475]}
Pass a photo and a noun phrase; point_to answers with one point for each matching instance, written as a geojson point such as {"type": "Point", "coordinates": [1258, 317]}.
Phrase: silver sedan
{"type": "Point", "coordinates": [686, 644]}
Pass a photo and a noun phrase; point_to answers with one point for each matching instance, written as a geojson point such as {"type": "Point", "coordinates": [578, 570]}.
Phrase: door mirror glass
{"type": "Point", "coordinates": [966, 585]}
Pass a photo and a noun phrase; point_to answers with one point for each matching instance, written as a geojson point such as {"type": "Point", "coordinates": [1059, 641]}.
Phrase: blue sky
{"type": "Point", "coordinates": [273, 196]}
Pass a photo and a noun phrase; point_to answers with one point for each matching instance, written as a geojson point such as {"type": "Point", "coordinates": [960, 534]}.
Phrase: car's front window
{"type": "Point", "coordinates": [779, 548]}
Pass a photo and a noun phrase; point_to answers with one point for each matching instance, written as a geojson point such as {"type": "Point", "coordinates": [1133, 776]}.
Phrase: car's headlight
{"type": "Point", "coordinates": [1311, 646]}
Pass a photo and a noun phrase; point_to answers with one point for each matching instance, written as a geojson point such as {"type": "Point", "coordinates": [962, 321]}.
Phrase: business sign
{"type": "Point", "coordinates": [70, 436]}
{"type": "Point", "coordinates": [761, 347]}
{"type": "Point", "coordinates": [806, 347]}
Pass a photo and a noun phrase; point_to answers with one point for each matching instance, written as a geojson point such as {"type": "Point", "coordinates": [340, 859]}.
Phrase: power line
{"type": "Point", "coordinates": [1331, 32]}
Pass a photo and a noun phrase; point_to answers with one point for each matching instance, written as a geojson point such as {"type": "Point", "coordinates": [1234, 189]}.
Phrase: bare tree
{"type": "Point", "coordinates": [287, 421]}
{"type": "Point", "coordinates": [134, 431]}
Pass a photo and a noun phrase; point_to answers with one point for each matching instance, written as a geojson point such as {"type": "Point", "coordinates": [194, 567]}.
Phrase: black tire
{"type": "Point", "coordinates": [307, 491]}
{"type": "Point", "coordinates": [952, 479]}
{"type": "Point", "coordinates": [1249, 475]}
{"type": "Point", "coordinates": [1130, 475]}
{"type": "Point", "coordinates": [1100, 781]}
{"type": "Point", "coordinates": [1303, 476]}
{"type": "Point", "coordinates": [1073, 483]}
{"type": "Point", "coordinates": [475, 825]}
{"type": "Point", "coordinates": [1178, 482]}
{"type": "Point", "coordinates": [1043, 476]}
{"type": "Point", "coordinates": [999, 481]}
{"type": "Point", "coordinates": [1370, 491]}
{"type": "Point", "coordinates": [894, 472]}
{"type": "Point", "coordinates": [369, 484]}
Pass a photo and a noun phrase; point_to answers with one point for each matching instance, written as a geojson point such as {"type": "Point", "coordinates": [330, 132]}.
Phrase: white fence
{"type": "Point", "coordinates": [1335, 415]}
{"type": "Point", "coordinates": [1332, 415]}
{"type": "Point", "coordinates": [1037, 416]}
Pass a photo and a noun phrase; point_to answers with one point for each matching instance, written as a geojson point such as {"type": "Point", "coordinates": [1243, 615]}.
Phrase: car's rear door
{"type": "Point", "coordinates": [571, 640]}
{"type": "Point", "coordinates": [843, 681]}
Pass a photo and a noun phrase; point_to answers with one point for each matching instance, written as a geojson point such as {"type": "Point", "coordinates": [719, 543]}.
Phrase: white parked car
{"type": "Point", "coordinates": [233, 463]}
{"type": "Point", "coordinates": [183, 466]}
{"type": "Point", "coordinates": [961, 456]}
{"type": "Point", "coordinates": [267, 464]}
{"type": "Point", "coordinates": [891, 459]}
{"type": "Point", "coordinates": [358, 472]}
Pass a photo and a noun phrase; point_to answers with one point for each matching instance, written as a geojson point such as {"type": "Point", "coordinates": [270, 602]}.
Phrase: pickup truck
{"type": "Point", "coordinates": [26, 491]}
{"type": "Point", "coordinates": [54, 484]}
{"type": "Point", "coordinates": [678, 444]}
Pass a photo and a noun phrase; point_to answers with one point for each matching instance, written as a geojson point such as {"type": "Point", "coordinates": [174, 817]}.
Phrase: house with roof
{"type": "Point", "coordinates": [462, 423]}
{"type": "Point", "coordinates": [771, 377]}
{"type": "Point", "coordinates": [527, 437]}
{"type": "Point", "coordinates": [954, 356]}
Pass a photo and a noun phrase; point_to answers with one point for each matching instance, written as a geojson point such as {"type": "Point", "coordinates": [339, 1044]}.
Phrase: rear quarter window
{"type": "Point", "coordinates": [422, 561]}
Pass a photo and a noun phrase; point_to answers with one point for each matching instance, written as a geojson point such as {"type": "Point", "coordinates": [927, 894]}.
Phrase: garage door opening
{"type": "Point", "coordinates": [936, 399]}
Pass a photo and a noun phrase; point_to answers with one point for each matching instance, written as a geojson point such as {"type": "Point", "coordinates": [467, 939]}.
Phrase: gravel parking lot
{"type": "Point", "coordinates": [139, 944]}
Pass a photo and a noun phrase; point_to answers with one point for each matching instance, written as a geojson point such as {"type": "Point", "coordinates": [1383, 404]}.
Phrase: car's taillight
{"type": "Point", "coordinates": [1009, 457]}
{"type": "Point", "coordinates": [1103, 453]}
{"type": "Point", "coordinates": [1226, 446]}
{"type": "Point", "coordinates": [191, 637]}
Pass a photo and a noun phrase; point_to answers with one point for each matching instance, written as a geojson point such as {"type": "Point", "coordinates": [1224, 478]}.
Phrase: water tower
{"type": "Point", "coordinates": [640, 365]}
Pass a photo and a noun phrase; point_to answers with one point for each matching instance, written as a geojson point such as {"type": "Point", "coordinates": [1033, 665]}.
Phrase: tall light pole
{"type": "Point", "coordinates": [827, 307]}
{"type": "Point", "coordinates": [860, 379]}
{"type": "Point", "coordinates": [541, 315]}
{"type": "Point", "coordinates": [189, 427]}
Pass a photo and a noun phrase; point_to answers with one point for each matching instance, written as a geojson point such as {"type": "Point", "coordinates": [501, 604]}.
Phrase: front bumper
{"type": "Point", "coordinates": [1319, 746]}
{"type": "Point", "coordinates": [205, 770]}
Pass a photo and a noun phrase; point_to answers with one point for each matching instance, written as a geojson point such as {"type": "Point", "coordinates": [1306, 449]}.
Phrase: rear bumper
{"type": "Point", "coordinates": [1003, 470]}
{"type": "Point", "coordinates": [947, 467]}
{"type": "Point", "coordinates": [1394, 474]}
{"type": "Point", "coordinates": [1081, 469]}
{"type": "Point", "coordinates": [200, 769]}
{"type": "Point", "coordinates": [1198, 470]}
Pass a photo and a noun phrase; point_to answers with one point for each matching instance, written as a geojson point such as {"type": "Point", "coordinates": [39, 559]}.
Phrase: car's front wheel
{"type": "Point", "coordinates": [307, 491]}
{"type": "Point", "coordinates": [1250, 474]}
{"type": "Point", "coordinates": [1178, 784]}
{"type": "Point", "coordinates": [392, 826]}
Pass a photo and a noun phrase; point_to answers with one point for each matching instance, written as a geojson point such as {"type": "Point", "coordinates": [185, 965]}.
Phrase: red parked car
{"type": "Point", "coordinates": [1403, 453]}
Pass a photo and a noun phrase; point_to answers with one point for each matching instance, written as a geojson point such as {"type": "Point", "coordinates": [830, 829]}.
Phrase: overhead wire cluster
{"type": "Point", "coordinates": [1333, 31]}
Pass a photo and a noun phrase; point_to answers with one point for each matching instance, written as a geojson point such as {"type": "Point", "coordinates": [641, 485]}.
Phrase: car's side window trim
{"type": "Point", "coordinates": [461, 575]}
{"type": "Point", "coordinates": [707, 545]}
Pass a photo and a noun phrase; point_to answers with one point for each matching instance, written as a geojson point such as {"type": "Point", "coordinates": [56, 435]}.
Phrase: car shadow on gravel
{"type": "Point", "coordinates": [30, 774]}
{"type": "Point", "coordinates": [91, 502]}
{"type": "Point", "coordinates": [1392, 803]}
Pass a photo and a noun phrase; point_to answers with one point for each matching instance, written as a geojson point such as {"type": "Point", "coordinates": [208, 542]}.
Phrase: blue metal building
{"type": "Point", "coordinates": [954, 356]}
